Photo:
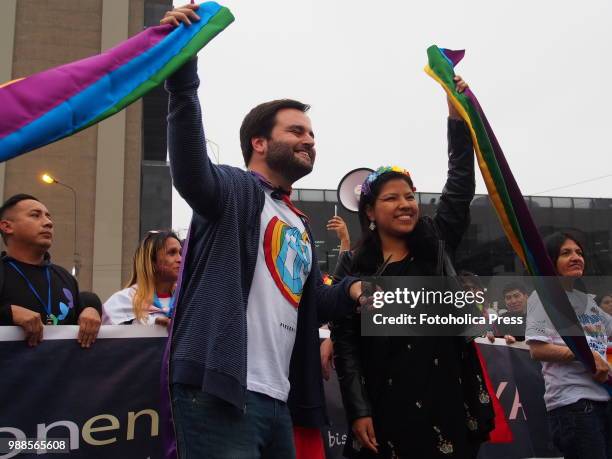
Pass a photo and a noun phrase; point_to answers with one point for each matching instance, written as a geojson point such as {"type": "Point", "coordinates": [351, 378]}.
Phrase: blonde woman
{"type": "Point", "coordinates": [148, 297]}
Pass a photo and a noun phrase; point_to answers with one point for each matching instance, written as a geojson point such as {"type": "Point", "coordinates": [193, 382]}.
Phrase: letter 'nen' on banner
{"type": "Point", "coordinates": [105, 399]}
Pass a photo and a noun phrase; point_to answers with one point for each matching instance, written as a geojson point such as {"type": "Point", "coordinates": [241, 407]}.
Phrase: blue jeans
{"type": "Point", "coordinates": [583, 430]}
{"type": "Point", "coordinates": [210, 428]}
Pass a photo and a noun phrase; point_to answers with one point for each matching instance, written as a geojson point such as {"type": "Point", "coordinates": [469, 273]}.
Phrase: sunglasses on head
{"type": "Point", "coordinates": [153, 233]}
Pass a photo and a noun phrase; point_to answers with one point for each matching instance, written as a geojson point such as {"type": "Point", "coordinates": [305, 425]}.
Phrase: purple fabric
{"type": "Point", "coordinates": [454, 56]}
{"type": "Point", "coordinates": [552, 292]}
{"type": "Point", "coordinates": [68, 80]}
{"type": "Point", "coordinates": [534, 242]}
{"type": "Point", "coordinates": [168, 435]}
{"type": "Point", "coordinates": [528, 228]}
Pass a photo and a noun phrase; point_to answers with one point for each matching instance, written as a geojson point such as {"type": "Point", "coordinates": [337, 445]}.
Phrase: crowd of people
{"type": "Point", "coordinates": [246, 363]}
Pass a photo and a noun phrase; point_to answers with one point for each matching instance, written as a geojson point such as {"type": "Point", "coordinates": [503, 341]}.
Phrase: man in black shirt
{"type": "Point", "coordinates": [515, 298]}
{"type": "Point", "coordinates": [33, 291]}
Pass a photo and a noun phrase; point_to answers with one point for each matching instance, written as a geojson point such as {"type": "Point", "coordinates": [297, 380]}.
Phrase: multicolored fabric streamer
{"type": "Point", "coordinates": [510, 206]}
{"type": "Point", "coordinates": [56, 103]}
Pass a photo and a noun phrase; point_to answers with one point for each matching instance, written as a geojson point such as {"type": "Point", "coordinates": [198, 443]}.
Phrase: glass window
{"type": "Point", "coordinates": [602, 203]}
{"type": "Point", "coordinates": [312, 195]}
{"type": "Point", "coordinates": [430, 198]}
{"type": "Point", "coordinates": [563, 203]}
{"type": "Point", "coordinates": [484, 248]}
{"type": "Point", "coordinates": [331, 196]}
{"type": "Point", "coordinates": [582, 203]}
{"type": "Point", "coordinates": [540, 201]}
{"type": "Point", "coordinates": [480, 200]}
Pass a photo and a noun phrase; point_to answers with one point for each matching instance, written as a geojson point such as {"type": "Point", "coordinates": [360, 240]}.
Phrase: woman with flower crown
{"type": "Point", "coordinates": [417, 397]}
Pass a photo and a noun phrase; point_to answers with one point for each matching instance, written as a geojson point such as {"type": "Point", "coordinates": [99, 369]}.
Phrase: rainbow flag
{"type": "Point", "coordinates": [56, 103]}
{"type": "Point", "coordinates": [510, 206]}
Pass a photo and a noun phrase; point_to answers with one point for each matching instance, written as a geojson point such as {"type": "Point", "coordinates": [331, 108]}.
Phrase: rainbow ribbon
{"type": "Point", "coordinates": [56, 103]}
{"type": "Point", "coordinates": [510, 206]}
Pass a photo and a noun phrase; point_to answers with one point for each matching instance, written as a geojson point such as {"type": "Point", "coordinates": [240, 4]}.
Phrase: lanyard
{"type": "Point", "coordinates": [281, 194]}
{"type": "Point", "coordinates": [35, 292]}
{"type": "Point", "coordinates": [295, 210]}
{"type": "Point", "coordinates": [158, 305]}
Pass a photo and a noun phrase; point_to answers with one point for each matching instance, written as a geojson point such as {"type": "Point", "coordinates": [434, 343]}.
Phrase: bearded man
{"type": "Point", "coordinates": [244, 359]}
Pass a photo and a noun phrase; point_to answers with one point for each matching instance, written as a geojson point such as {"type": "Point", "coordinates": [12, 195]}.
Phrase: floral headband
{"type": "Point", "coordinates": [366, 188]}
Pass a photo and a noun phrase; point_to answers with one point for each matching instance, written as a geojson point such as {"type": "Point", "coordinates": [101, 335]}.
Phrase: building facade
{"type": "Point", "coordinates": [484, 249]}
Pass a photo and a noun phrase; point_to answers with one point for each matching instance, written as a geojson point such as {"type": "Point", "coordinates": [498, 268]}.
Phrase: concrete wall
{"type": "Point", "coordinates": [48, 34]}
{"type": "Point", "coordinates": [133, 155]}
{"type": "Point", "coordinates": [110, 170]}
{"type": "Point", "coordinates": [7, 42]}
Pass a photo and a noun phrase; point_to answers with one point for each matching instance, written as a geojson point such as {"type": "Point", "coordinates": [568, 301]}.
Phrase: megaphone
{"type": "Point", "coordinates": [349, 188]}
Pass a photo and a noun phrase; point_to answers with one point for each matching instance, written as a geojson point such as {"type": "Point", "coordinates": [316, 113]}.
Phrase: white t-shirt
{"type": "Point", "coordinates": [284, 260]}
{"type": "Point", "coordinates": [118, 309]}
{"type": "Point", "coordinates": [568, 382]}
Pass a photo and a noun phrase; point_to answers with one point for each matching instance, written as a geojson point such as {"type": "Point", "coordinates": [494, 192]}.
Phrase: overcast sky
{"type": "Point", "coordinates": [541, 71]}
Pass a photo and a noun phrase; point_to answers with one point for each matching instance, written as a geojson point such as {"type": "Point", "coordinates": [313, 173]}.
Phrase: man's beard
{"type": "Point", "coordinates": [282, 160]}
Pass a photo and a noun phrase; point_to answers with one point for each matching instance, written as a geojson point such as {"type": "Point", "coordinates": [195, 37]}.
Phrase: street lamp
{"type": "Point", "coordinates": [52, 180]}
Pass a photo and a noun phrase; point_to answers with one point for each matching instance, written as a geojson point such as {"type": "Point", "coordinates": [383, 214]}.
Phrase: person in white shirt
{"type": "Point", "coordinates": [578, 405]}
{"type": "Point", "coordinates": [148, 297]}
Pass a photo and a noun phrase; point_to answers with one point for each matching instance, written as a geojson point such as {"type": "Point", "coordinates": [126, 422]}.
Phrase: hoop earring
{"type": "Point", "coordinates": [372, 226]}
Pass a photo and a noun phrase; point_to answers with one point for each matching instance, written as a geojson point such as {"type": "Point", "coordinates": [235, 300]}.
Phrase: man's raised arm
{"type": "Point", "coordinates": [194, 176]}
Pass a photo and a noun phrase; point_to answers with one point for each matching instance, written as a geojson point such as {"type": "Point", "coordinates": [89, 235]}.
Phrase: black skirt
{"type": "Point", "coordinates": [428, 395]}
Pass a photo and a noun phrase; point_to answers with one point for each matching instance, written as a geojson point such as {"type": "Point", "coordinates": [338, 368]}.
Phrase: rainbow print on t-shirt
{"type": "Point", "coordinates": [287, 258]}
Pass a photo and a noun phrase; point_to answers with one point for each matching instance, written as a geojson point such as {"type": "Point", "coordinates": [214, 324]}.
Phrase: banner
{"type": "Point", "coordinates": [104, 400]}
{"type": "Point", "coordinates": [519, 386]}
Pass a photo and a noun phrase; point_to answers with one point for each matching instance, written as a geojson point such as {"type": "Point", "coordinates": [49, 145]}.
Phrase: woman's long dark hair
{"type": "Point", "coordinates": [554, 242]}
{"type": "Point", "coordinates": [368, 255]}
{"type": "Point", "coordinates": [553, 245]}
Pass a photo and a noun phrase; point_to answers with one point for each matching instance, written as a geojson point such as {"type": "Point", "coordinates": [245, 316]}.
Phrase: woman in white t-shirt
{"type": "Point", "coordinates": [578, 405]}
{"type": "Point", "coordinates": [148, 298]}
